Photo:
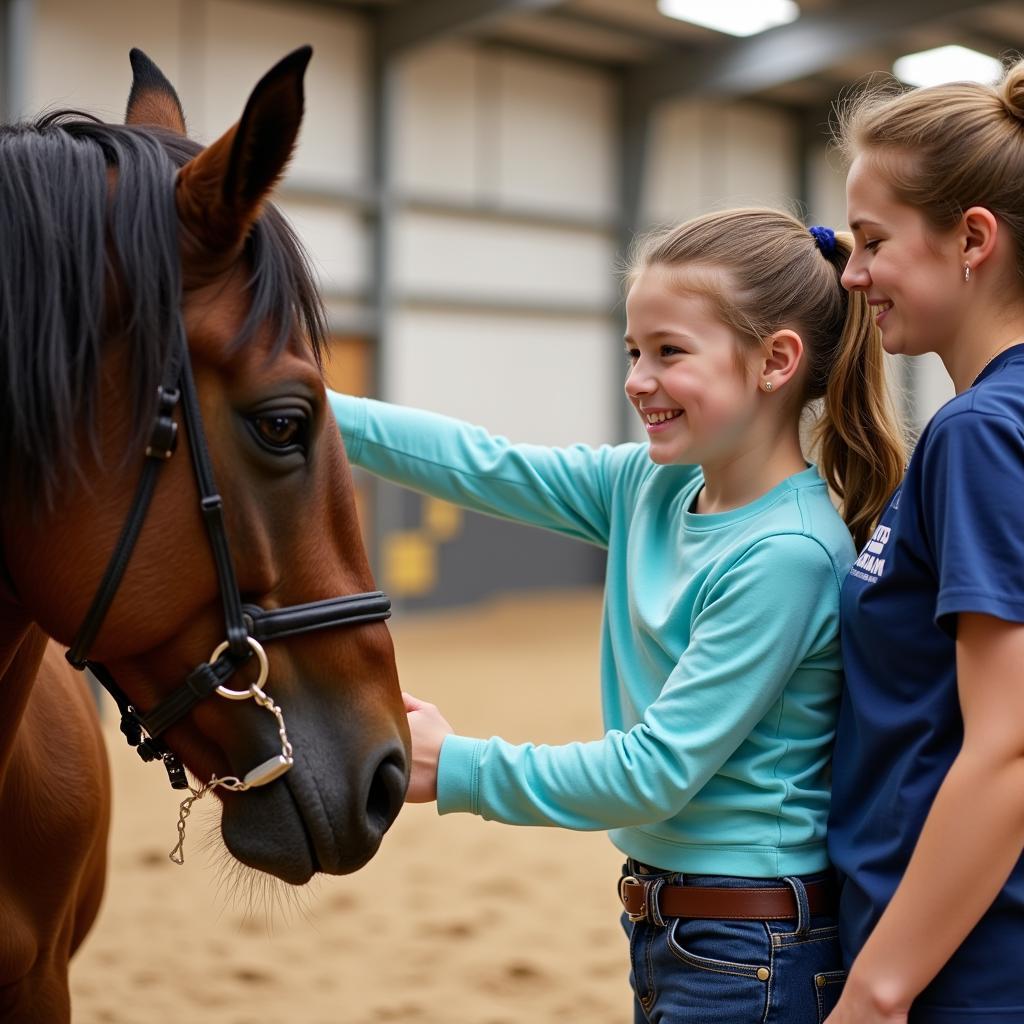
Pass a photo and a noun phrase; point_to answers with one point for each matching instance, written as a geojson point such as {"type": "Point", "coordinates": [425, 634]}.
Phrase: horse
{"type": "Point", "coordinates": [152, 299]}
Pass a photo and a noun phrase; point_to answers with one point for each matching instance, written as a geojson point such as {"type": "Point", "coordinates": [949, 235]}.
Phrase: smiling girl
{"type": "Point", "coordinates": [721, 670]}
{"type": "Point", "coordinates": [928, 821]}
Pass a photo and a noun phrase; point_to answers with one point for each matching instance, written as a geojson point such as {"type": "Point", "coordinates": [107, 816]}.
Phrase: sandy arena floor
{"type": "Point", "coordinates": [455, 921]}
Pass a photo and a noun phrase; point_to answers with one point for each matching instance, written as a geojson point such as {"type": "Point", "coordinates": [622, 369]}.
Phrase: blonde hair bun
{"type": "Point", "coordinates": [1011, 90]}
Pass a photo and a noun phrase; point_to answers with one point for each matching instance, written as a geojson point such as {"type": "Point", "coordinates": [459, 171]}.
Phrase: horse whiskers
{"type": "Point", "coordinates": [258, 894]}
{"type": "Point", "coordinates": [260, 897]}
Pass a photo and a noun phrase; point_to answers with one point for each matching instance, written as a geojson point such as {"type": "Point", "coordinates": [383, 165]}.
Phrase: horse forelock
{"type": "Point", "coordinates": [72, 243]}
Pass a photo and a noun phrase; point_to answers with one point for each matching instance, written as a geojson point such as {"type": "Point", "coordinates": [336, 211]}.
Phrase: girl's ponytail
{"type": "Point", "coordinates": [862, 453]}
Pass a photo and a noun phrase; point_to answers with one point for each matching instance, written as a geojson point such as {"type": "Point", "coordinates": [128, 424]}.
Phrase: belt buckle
{"type": "Point", "coordinates": [646, 886]}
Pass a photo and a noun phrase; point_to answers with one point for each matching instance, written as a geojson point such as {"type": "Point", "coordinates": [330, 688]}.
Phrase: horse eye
{"type": "Point", "coordinates": [280, 431]}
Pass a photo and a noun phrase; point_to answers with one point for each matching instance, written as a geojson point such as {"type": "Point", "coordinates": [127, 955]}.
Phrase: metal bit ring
{"type": "Point", "coordinates": [261, 657]}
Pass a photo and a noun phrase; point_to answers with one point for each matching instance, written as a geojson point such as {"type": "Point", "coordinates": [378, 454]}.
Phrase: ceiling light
{"type": "Point", "coordinates": [737, 17]}
{"type": "Point", "coordinates": [947, 64]}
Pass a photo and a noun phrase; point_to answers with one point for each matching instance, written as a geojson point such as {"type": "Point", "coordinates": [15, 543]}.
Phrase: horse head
{"type": "Point", "coordinates": [130, 249]}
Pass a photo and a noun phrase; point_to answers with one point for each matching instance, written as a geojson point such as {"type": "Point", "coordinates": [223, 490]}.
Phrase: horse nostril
{"type": "Point", "coordinates": [387, 792]}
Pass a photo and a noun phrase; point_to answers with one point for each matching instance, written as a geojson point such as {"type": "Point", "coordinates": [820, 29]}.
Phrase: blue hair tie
{"type": "Point", "coordinates": [825, 238]}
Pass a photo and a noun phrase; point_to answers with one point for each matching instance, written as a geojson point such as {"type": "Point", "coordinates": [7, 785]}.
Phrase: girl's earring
{"type": "Point", "coordinates": [768, 385]}
{"type": "Point", "coordinates": [967, 273]}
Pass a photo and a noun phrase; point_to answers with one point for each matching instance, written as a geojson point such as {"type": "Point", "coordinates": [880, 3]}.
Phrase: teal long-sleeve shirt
{"type": "Point", "coordinates": [720, 665]}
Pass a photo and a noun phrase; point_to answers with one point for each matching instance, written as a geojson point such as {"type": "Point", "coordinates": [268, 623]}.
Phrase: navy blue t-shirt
{"type": "Point", "coordinates": [950, 541]}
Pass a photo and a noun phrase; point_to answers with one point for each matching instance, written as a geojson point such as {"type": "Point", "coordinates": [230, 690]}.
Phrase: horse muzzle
{"type": "Point", "coordinates": [322, 815]}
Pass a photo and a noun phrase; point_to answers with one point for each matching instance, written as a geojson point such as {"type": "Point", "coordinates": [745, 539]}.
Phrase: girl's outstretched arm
{"type": "Point", "coordinates": [972, 837]}
{"type": "Point", "coordinates": [746, 642]}
{"type": "Point", "coordinates": [568, 490]}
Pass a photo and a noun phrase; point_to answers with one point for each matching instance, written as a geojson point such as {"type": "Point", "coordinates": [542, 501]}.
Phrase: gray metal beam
{"type": "Point", "coordinates": [642, 36]}
{"type": "Point", "coordinates": [549, 52]}
{"type": "Point", "coordinates": [364, 201]}
{"type": "Point", "coordinates": [504, 305]}
{"type": "Point", "coordinates": [15, 38]}
{"type": "Point", "coordinates": [418, 22]}
{"type": "Point", "coordinates": [482, 210]}
{"type": "Point", "coordinates": [807, 46]}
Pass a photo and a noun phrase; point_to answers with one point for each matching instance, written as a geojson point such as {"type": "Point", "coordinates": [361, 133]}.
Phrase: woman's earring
{"type": "Point", "coordinates": [967, 273]}
{"type": "Point", "coordinates": [768, 385]}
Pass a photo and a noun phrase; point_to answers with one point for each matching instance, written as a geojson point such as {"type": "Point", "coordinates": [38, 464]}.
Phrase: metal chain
{"type": "Point", "coordinates": [231, 782]}
{"type": "Point", "coordinates": [263, 699]}
{"type": "Point", "coordinates": [177, 855]}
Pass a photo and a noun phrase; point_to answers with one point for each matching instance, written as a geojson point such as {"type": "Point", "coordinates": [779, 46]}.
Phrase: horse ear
{"type": "Point", "coordinates": [220, 191]}
{"type": "Point", "coordinates": [153, 100]}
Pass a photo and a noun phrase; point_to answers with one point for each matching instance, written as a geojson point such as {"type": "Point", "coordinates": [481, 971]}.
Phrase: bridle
{"type": "Point", "coordinates": [247, 626]}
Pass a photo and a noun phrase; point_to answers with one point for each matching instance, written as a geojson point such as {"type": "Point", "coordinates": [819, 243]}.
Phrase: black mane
{"type": "Point", "coordinates": [66, 240]}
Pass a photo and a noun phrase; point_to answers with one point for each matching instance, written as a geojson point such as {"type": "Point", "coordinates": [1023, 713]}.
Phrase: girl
{"type": "Point", "coordinates": [928, 820]}
{"type": "Point", "coordinates": [720, 657]}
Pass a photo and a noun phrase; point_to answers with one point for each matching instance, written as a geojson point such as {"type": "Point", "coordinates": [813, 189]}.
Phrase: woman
{"type": "Point", "coordinates": [927, 821]}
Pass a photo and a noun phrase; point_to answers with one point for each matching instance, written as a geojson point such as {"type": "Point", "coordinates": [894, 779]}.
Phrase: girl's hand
{"type": "Point", "coordinates": [857, 1005]}
{"type": "Point", "coordinates": [428, 728]}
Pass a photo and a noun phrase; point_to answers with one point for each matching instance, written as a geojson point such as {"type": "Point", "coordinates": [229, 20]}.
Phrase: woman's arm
{"type": "Point", "coordinates": [972, 837]}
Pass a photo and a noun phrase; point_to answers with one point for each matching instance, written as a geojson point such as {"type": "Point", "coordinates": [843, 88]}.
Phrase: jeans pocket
{"type": "Point", "coordinates": [807, 972]}
{"type": "Point", "coordinates": [828, 987]}
{"type": "Point", "coordinates": [724, 967]}
{"type": "Point", "coordinates": [725, 947]}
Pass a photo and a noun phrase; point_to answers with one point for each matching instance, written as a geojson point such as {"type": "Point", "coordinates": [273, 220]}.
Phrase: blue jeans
{"type": "Point", "coordinates": [691, 971]}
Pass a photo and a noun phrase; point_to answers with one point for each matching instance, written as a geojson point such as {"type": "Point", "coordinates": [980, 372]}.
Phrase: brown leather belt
{"type": "Point", "coordinates": [768, 904]}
